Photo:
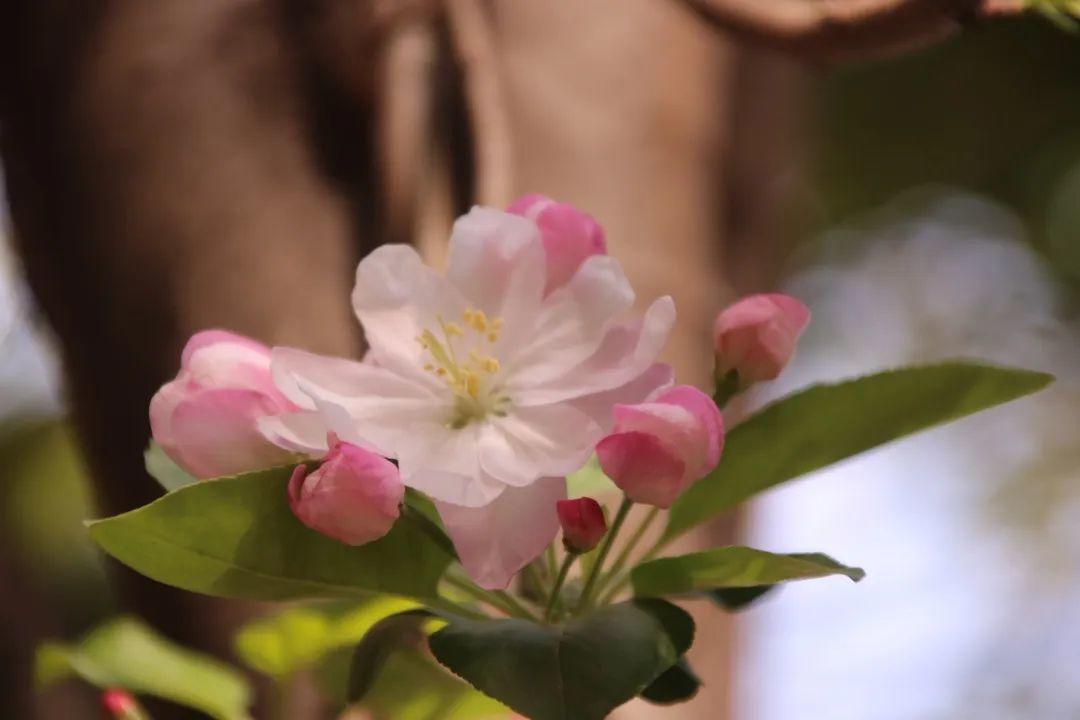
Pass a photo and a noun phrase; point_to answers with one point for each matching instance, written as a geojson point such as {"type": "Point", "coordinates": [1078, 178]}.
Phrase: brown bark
{"type": "Point", "coordinates": [162, 178]}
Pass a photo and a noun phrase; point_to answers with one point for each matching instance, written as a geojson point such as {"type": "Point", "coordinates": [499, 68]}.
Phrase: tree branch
{"type": "Point", "coordinates": [838, 30]}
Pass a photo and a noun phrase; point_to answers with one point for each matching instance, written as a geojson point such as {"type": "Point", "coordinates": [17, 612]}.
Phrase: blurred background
{"type": "Point", "coordinates": [185, 164]}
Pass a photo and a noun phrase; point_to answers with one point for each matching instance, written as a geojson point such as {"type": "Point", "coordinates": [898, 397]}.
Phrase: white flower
{"type": "Point", "coordinates": [487, 387]}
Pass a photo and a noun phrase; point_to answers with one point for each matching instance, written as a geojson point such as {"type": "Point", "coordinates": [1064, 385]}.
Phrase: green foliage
{"type": "Point", "coordinates": [410, 686]}
{"type": "Point", "coordinates": [828, 423]}
{"type": "Point", "coordinates": [736, 599]}
{"type": "Point", "coordinates": [126, 653]}
{"type": "Point", "coordinates": [162, 468]}
{"type": "Point", "coordinates": [731, 567]}
{"type": "Point", "coordinates": [1064, 13]}
{"type": "Point", "coordinates": [236, 537]}
{"type": "Point", "coordinates": [300, 637]}
{"type": "Point", "coordinates": [580, 671]}
{"type": "Point", "coordinates": [390, 633]}
{"type": "Point", "coordinates": [677, 684]}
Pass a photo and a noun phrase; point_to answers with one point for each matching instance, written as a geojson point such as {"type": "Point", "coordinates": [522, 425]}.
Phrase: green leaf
{"type": "Point", "coordinates": [236, 537]}
{"type": "Point", "coordinates": [580, 671]}
{"type": "Point", "coordinates": [828, 423]}
{"type": "Point", "coordinates": [389, 634]}
{"type": "Point", "coordinates": [410, 686]}
{"type": "Point", "coordinates": [731, 567]}
{"type": "Point", "coordinates": [299, 637]}
{"type": "Point", "coordinates": [126, 653]}
{"type": "Point", "coordinates": [736, 599]}
{"type": "Point", "coordinates": [162, 468]}
{"type": "Point", "coordinates": [677, 684]}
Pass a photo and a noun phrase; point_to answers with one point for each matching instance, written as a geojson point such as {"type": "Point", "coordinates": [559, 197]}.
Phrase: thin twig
{"type": "Point", "coordinates": [474, 43]}
{"type": "Point", "coordinates": [836, 30]}
{"type": "Point", "coordinates": [594, 573]}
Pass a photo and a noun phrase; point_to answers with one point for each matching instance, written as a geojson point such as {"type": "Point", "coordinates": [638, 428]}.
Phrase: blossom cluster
{"type": "Point", "coordinates": [483, 388]}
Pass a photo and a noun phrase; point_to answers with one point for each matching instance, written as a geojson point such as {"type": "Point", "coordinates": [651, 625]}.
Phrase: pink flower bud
{"type": "Point", "coordinates": [354, 496]}
{"type": "Point", "coordinates": [569, 235]}
{"type": "Point", "coordinates": [659, 448]}
{"type": "Point", "coordinates": [583, 523]}
{"type": "Point", "coordinates": [756, 336]}
{"type": "Point", "coordinates": [120, 705]}
{"type": "Point", "coordinates": [205, 419]}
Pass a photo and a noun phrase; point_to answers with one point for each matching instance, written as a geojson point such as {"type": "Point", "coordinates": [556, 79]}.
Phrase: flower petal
{"type": "Point", "coordinates": [220, 434]}
{"type": "Point", "coordinates": [537, 441]}
{"type": "Point", "coordinates": [300, 432]}
{"type": "Point", "coordinates": [396, 298]}
{"type": "Point", "coordinates": [364, 404]}
{"type": "Point", "coordinates": [658, 378]}
{"type": "Point", "coordinates": [643, 467]}
{"type": "Point", "coordinates": [247, 348]}
{"type": "Point", "coordinates": [624, 355]}
{"type": "Point", "coordinates": [443, 462]}
{"type": "Point", "coordinates": [496, 257]}
{"type": "Point", "coordinates": [572, 324]}
{"type": "Point", "coordinates": [499, 539]}
{"type": "Point", "coordinates": [704, 409]}
{"type": "Point", "coordinates": [677, 427]}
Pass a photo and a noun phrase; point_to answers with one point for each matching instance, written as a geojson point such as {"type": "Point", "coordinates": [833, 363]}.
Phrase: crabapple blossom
{"type": "Point", "coordinates": [488, 384]}
{"type": "Point", "coordinates": [206, 418]}
{"type": "Point", "coordinates": [569, 235]}
{"type": "Point", "coordinates": [354, 496]}
{"type": "Point", "coordinates": [660, 447]}
{"type": "Point", "coordinates": [756, 336]}
{"type": "Point", "coordinates": [583, 523]}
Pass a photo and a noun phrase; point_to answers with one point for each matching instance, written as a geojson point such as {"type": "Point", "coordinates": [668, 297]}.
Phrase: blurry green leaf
{"type": "Point", "coordinates": [1063, 13]}
{"type": "Point", "coordinates": [580, 671]}
{"type": "Point", "coordinates": [677, 684]}
{"type": "Point", "coordinates": [372, 652]}
{"type": "Point", "coordinates": [162, 468]}
{"type": "Point", "coordinates": [740, 598]}
{"type": "Point", "coordinates": [589, 481]}
{"type": "Point", "coordinates": [731, 567]}
{"type": "Point", "coordinates": [824, 424]}
{"type": "Point", "coordinates": [410, 686]}
{"type": "Point", "coordinates": [237, 537]}
{"type": "Point", "coordinates": [299, 637]}
{"type": "Point", "coordinates": [125, 653]}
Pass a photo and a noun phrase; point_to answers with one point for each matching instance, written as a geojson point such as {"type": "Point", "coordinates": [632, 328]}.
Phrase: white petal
{"type": "Point", "coordinates": [497, 540]}
{"type": "Point", "coordinates": [444, 463]}
{"type": "Point", "coordinates": [537, 441]}
{"type": "Point", "coordinates": [364, 404]}
{"type": "Point", "coordinates": [656, 379]}
{"type": "Point", "coordinates": [302, 432]}
{"type": "Point", "coordinates": [572, 324]}
{"type": "Point", "coordinates": [396, 298]}
{"type": "Point", "coordinates": [461, 490]}
{"type": "Point", "coordinates": [495, 257]}
{"type": "Point", "coordinates": [337, 374]}
{"type": "Point", "coordinates": [624, 355]}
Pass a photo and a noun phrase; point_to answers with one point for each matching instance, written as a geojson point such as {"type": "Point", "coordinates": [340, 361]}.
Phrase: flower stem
{"type": "Point", "coordinates": [590, 583]}
{"type": "Point", "coordinates": [628, 549]}
{"type": "Point", "coordinates": [625, 579]}
{"type": "Point", "coordinates": [517, 607]}
{"type": "Point", "coordinates": [553, 600]}
{"type": "Point", "coordinates": [498, 598]}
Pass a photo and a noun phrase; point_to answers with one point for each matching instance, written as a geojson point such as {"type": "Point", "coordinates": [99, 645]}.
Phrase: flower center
{"type": "Point", "coordinates": [459, 354]}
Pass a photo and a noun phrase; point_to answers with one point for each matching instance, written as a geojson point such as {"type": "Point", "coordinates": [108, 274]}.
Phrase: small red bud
{"type": "Point", "coordinates": [120, 705]}
{"type": "Point", "coordinates": [583, 523]}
